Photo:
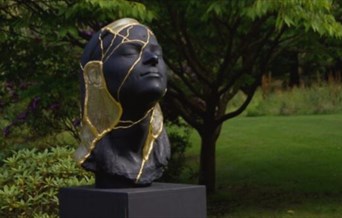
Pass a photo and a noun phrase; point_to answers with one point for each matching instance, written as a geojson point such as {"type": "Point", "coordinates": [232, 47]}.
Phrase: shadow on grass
{"type": "Point", "coordinates": [261, 201]}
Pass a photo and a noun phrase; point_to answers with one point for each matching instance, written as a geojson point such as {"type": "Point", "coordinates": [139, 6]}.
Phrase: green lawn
{"type": "Point", "coordinates": [278, 167]}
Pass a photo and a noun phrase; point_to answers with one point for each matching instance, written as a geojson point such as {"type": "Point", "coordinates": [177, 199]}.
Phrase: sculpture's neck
{"type": "Point", "coordinates": [136, 112]}
{"type": "Point", "coordinates": [131, 119]}
{"type": "Point", "coordinates": [131, 135]}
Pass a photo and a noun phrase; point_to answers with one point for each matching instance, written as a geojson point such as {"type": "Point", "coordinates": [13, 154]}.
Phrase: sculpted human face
{"type": "Point", "coordinates": [134, 68]}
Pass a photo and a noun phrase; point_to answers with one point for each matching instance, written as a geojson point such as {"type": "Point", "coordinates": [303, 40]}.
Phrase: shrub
{"type": "Point", "coordinates": [179, 136]}
{"type": "Point", "coordinates": [30, 181]}
{"type": "Point", "coordinates": [317, 99]}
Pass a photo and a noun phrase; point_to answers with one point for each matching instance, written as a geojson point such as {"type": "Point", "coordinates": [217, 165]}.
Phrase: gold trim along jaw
{"type": "Point", "coordinates": [155, 128]}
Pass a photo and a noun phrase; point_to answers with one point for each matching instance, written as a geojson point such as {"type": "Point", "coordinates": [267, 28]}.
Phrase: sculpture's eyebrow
{"type": "Point", "coordinates": [136, 43]}
{"type": "Point", "coordinates": [155, 46]}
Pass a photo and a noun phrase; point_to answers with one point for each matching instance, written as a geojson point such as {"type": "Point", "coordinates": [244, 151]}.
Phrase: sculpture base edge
{"type": "Point", "coordinates": [155, 201]}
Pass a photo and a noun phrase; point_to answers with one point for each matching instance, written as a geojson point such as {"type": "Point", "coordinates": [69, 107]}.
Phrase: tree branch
{"type": "Point", "coordinates": [188, 117]}
{"type": "Point", "coordinates": [251, 92]}
{"type": "Point", "coordinates": [178, 94]}
{"type": "Point", "coordinates": [227, 57]}
{"type": "Point", "coordinates": [240, 109]}
{"type": "Point", "coordinates": [257, 44]}
{"type": "Point", "coordinates": [184, 44]}
{"type": "Point", "coordinates": [202, 70]}
{"type": "Point", "coordinates": [180, 72]}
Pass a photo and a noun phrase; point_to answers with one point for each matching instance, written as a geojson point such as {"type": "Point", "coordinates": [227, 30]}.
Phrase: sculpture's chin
{"type": "Point", "coordinates": [142, 96]}
{"type": "Point", "coordinates": [152, 94]}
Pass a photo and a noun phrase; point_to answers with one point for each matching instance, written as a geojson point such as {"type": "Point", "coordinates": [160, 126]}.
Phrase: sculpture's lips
{"type": "Point", "coordinates": [151, 73]}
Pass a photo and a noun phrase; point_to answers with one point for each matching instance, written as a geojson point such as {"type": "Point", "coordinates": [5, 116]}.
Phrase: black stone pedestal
{"type": "Point", "coordinates": [156, 201]}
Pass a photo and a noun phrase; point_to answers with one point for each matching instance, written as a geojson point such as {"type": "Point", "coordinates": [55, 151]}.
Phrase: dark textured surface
{"type": "Point", "coordinates": [156, 201]}
{"type": "Point", "coordinates": [135, 76]}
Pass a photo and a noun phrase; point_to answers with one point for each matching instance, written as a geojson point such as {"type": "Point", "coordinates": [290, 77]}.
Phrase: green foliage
{"type": "Point", "coordinates": [317, 99]}
{"type": "Point", "coordinates": [179, 136]}
{"type": "Point", "coordinates": [312, 15]}
{"type": "Point", "coordinates": [236, 43]}
{"type": "Point", "coordinates": [30, 181]}
{"type": "Point", "coordinates": [217, 49]}
{"type": "Point", "coordinates": [46, 40]}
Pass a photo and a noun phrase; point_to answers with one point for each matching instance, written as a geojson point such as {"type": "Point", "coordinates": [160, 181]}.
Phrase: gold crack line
{"type": "Point", "coordinates": [132, 67]}
{"type": "Point", "coordinates": [116, 47]}
{"type": "Point", "coordinates": [98, 136]}
{"type": "Point", "coordinates": [110, 45]}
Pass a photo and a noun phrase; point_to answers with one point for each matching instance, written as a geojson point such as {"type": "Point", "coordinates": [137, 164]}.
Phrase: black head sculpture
{"type": "Point", "coordinates": [122, 80]}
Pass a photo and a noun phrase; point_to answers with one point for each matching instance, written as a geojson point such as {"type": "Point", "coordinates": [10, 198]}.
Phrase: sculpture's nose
{"type": "Point", "coordinates": [150, 58]}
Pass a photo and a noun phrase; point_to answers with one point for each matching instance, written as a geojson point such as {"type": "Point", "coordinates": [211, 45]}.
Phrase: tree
{"type": "Point", "coordinates": [217, 48]}
{"type": "Point", "coordinates": [39, 68]}
{"type": "Point", "coordinates": [214, 50]}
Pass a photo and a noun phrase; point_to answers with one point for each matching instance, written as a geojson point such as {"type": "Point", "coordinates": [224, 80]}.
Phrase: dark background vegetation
{"type": "Point", "coordinates": [219, 53]}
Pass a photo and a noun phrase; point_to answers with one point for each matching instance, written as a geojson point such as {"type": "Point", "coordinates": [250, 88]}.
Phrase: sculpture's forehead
{"type": "Point", "coordinates": [138, 32]}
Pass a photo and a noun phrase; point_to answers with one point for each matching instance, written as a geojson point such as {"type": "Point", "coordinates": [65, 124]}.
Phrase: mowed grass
{"type": "Point", "coordinates": [276, 166]}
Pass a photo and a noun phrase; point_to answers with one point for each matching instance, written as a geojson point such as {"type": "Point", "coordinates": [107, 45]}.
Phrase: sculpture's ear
{"type": "Point", "coordinates": [101, 111]}
{"type": "Point", "coordinates": [92, 73]}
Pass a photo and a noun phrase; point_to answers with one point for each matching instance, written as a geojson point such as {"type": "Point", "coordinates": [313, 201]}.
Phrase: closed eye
{"type": "Point", "coordinates": [129, 49]}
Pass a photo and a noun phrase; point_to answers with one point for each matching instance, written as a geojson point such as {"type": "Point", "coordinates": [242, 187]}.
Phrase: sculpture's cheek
{"type": "Point", "coordinates": [115, 71]}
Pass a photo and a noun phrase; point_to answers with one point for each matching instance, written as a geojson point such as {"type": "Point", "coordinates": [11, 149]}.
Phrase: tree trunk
{"type": "Point", "coordinates": [207, 173]}
{"type": "Point", "coordinates": [294, 71]}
